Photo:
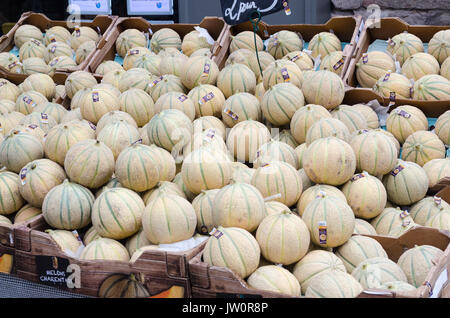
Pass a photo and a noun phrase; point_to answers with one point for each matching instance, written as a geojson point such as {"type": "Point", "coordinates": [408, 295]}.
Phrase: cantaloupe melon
{"type": "Point", "coordinates": [442, 127]}
{"type": "Point", "coordinates": [440, 221]}
{"type": "Point", "coordinates": [419, 65]}
{"type": "Point", "coordinates": [57, 111]}
{"type": "Point", "coordinates": [375, 271]}
{"type": "Point", "coordinates": [275, 151]}
{"type": "Point", "coordinates": [5, 221]}
{"type": "Point", "coordinates": [57, 49]}
{"type": "Point", "coordinates": [113, 117]}
{"type": "Point", "coordinates": [18, 149]}
{"type": "Point", "coordinates": [137, 168]}
{"type": "Point", "coordinates": [11, 200]}
{"type": "Point", "coordinates": [370, 115]}
{"type": "Point", "coordinates": [286, 137]}
{"type": "Point", "coordinates": [236, 78]}
{"type": "Point", "coordinates": [406, 184]}
{"type": "Point", "coordinates": [166, 163]}
{"type": "Point", "coordinates": [8, 90]}
{"type": "Point", "coordinates": [89, 163]}
{"type": "Point", "coordinates": [351, 117]}
{"type": "Point", "coordinates": [37, 178]}
{"type": "Point", "coordinates": [117, 213]}
{"type": "Point", "coordinates": [323, 44]}
{"type": "Point", "coordinates": [90, 235]}
{"type": "Point", "coordinates": [194, 41]}
{"type": "Point", "coordinates": [315, 263]}
{"type": "Point", "coordinates": [417, 263]}
{"type": "Point", "coordinates": [128, 39]}
{"type": "Point", "coordinates": [113, 77]}
{"type": "Point", "coordinates": [206, 122]}
{"type": "Point", "coordinates": [362, 227]}
{"type": "Point", "coordinates": [239, 205]}
{"type": "Point", "coordinates": [205, 169]}
{"type": "Point", "coordinates": [404, 121]}
{"type": "Point", "coordinates": [63, 213]}
{"type": "Point", "coordinates": [241, 56]}
{"type": "Point", "coordinates": [41, 83]}
{"type": "Point", "coordinates": [208, 100]}
{"type": "Point", "coordinates": [233, 248]}
{"type": "Point", "coordinates": [7, 105]}
{"type": "Point", "coordinates": [445, 69]}
{"type": "Point", "coordinates": [165, 38]}
{"type": "Point", "coordinates": [26, 213]}
{"type": "Point", "coordinates": [202, 52]}
{"type": "Point", "coordinates": [366, 195]}
{"type": "Point", "coordinates": [330, 221]}
{"type": "Point", "coordinates": [423, 146]}
{"type": "Point", "coordinates": [206, 138]}
{"type": "Point", "coordinates": [42, 120]}
{"type": "Point", "coordinates": [77, 81]}
{"type": "Point", "coordinates": [105, 249]}
{"type": "Point", "coordinates": [179, 180]}
{"type": "Point", "coordinates": [66, 240]}
{"type": "Point", "coordinates": [284, 42]}
{"type": "Point", "coordinates": [427, 208]}
{"type": "Point", "coordinates": [32, 130]}
{"type": "Point", "coordinates": [246, 40]}
{"type": "Point", "coordinates": [358, 249]}
{"type": "Point", "coordinates": [311, 193]}
{"type": "Point", "coordinates": [333, 62]}
{"type": "Point", "coordinates": [275, 279]}
{"type": "Point", "coordinates": [304, 118]}
{"type": "Point", "coordinates": [329, 160]}
{"type": "Point", "coordinates": [122, 286]}
{"type": "Point", "coordinates": [432, 87]}
{"type": "Point", "coordinates": [274, 207]}
{"type": "Point", "coordinates": [280, 103]}
{"type": "Point", "coordinates": [158, 86]}
{"type": "Point", "coordinates": [134, 77]}
{"type": "Point", "coordinates": [394, 85]}
{"type": "Point", "coordinates": [265, 59]}
{"type": "Point", "coordinates": [25, 33]}
{"type": "Point", "coordinates": [137, 241]}
{"type": "Point", "coordinates": [199, 70]}
{"type": "Point", "coordinates": [83, 34]}
{"type": "Point", "coordinates": [98, 102]}
{"type": "Point", "coordinates": [172, 64]}
{"type": "Point", "coordinates": [439, 45]}
{"type": "Point", "coordinates": [31, 48]}
{"type": "Point", "coordinates": [282, 71]}
{"type": "Point", "coordinates": [84, 51]}
{"type": "Point", "coordinates": [436, 170]}
{"type": "Point", "coordinates": [56, 34]}
{"type": "Point", "coordinates": [168, 219]}
{"type": "Point", "coordinates": [392, 222]}
{"type": "Point", "coordinates": [240, 107]}
{"type": "Point", "coordinates": [163, 187]}
{"type": "Point", "coordinates": [107, 66]}
{"type": "Point", "coordinates": [280, 181]}
{"type": "Point", "coordinates": [118, 136]}
{"type": "Point", "coordinates": [323, 88]}
{"type": "Point", "coordinates": [301, 59]}
{"type": "Point", "coordinates": [27, 101]}
{"type": "Point", "coordinates": [9, 120]}
{"type": "Point", "coordinates": [203, 206]}
{"type": "Point", "coordinates": [113, 183]}
{"type": "Point", "coordinates": [34, 65]}
{"type": "Point", "coordinates": [306, 182]}
{"type": "Point", "coordinates": [333, 284]}
{"type": "Point", "coordinates": [404, 45]}
{"type": "Point", "coordinates": [175, 100]}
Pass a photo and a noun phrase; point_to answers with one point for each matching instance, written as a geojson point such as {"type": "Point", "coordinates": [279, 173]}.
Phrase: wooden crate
{"type": "Point", "coordinates": [102, 23]}
{"type": "Point", "coordinates": [389, 28]}
{"type": "Point", "coordinates": [213, 281]}
{"type": "Point", "coordinates": [216, 28]}
{"type": "Point", "coordinates": [347, 29]}
{"type": "Point", "coordinates": [160, 270]}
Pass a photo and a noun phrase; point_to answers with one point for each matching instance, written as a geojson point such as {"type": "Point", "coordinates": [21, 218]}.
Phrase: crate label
{"type": "Point", "coordinates": [206, 69]}
{"type": "Point", "coordinates": [285, 75]}
{"type": "Point", "coordinates": [95, 97]}
{"type": "Point", "coordinates": [287, 10]}
{"type": "Point", "coordinates": [156, 81]}
{"type": "Point", "coordinates": [322, 232]}
{"type": "Point", "coordinates": [403, 113]}
{"type": "Point", "coordinates": [182, 97]}
{"type": "Point", "coordinates": [206, 98]}
{"type": "Point", "coordinates": [365, 58]}
{"type": "Point", "coordinates": [230, 113]}
{"type": "Point", "coordinates": [338, 64]}
{"type": "Point", "coordinates": [52, 270]}
{"type": "Point", "coordinates": [44, 118]}
{"type": "Point", "coordinates": [397, 170]}
{"type": "Point", "coordinates": [23, 176]}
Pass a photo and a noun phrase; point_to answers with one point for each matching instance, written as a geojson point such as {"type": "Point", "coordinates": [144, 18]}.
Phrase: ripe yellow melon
{"type": "Point", "coordinates": [240, 107]}
{"type": "Point", "coordinates": [25, 33]}
{"type": "Point", "coordinates": [108, 66]}
{"type": "Point", "coordinates": [26, 213]}
{"type": "Point", "coordinates": [175, 100]}
{"type": "Point", "coordinates": [417, 262]}
{"type": "Point", "coordinates": [9, 120]}
{"type": "Point", "coordinates": [246, 40]}
{"type": "Point", "coordinates": [436, 170]}
{"type": "Point", "coordinates": [37, 178]}
{"type": "Point", "coordinates": [94, 168]}
{"type": "Point", "coordinates": [275, 279]}
{"type": "Point", "coordinates": [280, 181]}
{"type": "Point", "coordinates": [375, 271]}
{"type": "Point", "coordinates": [392, 222]}
{"type": "Point", "coordinates": [199, 70]}
{"type": "Point", "coordinates": [206, 122]}
{"type": "Point", "coordinates": [113, 117]}
{"type": "Point", "coordinates": [18, 149]}
{"type": "Point", "coordinates": [375, 152]}
{"type": "Point", "coordinates": [283, 238]}
{"type": "Point", "coordinates": [61, 213]}
{"type": "Point", "coordinates": [419, 65]}
{"type": "Point", "coordinates": [423, 146]}
{"type": "Point", "coordinates": [66, 240]}
{"type": "Point", "coordinates": [11, 200]}
{"type": "Point", "coordinates": [284, 42]}
{"type": "Point", "coordinates": [442, 127]}
{"type": "Point", "coordinates": [168, 219]}
{"type": "Point", "coordinates": [208, 100]}
{"type": "Point", "coordinates": [239, 205]}
{"type": "Point", "coordinates": [128, 39]}
{"type": "Point", "coordinates": [362, 227]}
{"type": "Point", "coordinates": [329, 160]}
{"type": "Point", "coordinates": [134, 77]}
{"type": "Point", "coordinates": [105, 249]}
{"type": "Point", "coordinates": [31, 48]}
{"type": "Point", "coordinates": [432, 87]}
{"type": "Point", "coordinates": [404, 121]}
{"type": "Point", "coordinates": [366, 195]}
{"type": "Point", "coordinates": [233, 248]}
{"type": "Point", "coordinates": [203, 206]}
{"type": "Point", "coordinates": [236, 78]}
{"type": "Point", "coordinates": [406, 184]}
{"type": "Point", "coordinates": [315, 263]}
{"type": "Point", "coordinates": [311, 193]}
{"type": "Point", "coordinates": [117, 213]}
{"type": "Point", "coordinates": [206, 168]}
{"type": "Point", "coordinates": [41, 83]}
{"type": "Point", "coordinates": [393, 83]}
{"type": "Point", "coordinates": [165, 38]}
{"type": "Point", "coordinates": [323, 44]}
{"type": "Point", "coordinates": [330, 221]}
{"type": "Point", "coordinates": [404, 45]}
{"type": "Point", "coordinates": [369, 114]}
{"type": "Point", "coordinates": [333, 62]}
{"type": "Point", "coordinates": [282, 71]}
{"type": "Point", "coordinates": [333, 284]}
{"type": "Point", "coordinates": [280, 102]}
{"type": "Point", "coordinates": [162, 187]}
{"type": "Point", "coordinates": [427, 208]}
{"type": "Point", "coordinates": [439, 45]}
{"type": "Point", "coordinates": [77, 81]}
{"type": "Point", "coordinates": [8, 90]}
{"type": "Point", "coordinates": [323, 88]}
{"type": "Point", "coordinates": [358, 249]}
{"type": "Point", "coordinates": [83, 34]}
{"type": "Point", "coordinates": [137, 241]}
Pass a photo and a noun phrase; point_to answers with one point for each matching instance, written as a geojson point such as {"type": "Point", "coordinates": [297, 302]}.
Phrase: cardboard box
{"type": "Point", "coordinates": [347, 29]}
{"type": "Point", "coordinates": [215, 26]}
{"type": "Point", "coordinates": [390, 27]}
{"type": "Point", "coordinates": [160, 271]}
{"type": "Point", "coordinates": [102, 23]}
